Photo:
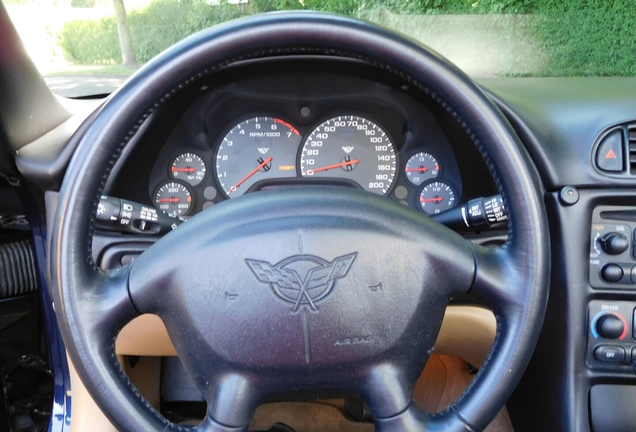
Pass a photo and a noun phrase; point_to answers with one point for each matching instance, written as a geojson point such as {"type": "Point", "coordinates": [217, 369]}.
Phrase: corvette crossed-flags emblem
{"type": "Point", "coordinates": [288, 285]}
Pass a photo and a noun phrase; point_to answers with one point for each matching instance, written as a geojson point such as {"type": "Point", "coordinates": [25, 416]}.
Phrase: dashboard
{"type": "Point", "coordinates": [580, 357]}
{"type": "Point", "coordinates": [281, 129]}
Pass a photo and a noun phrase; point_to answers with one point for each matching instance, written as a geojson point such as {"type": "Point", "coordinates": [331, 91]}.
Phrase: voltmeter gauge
{"type": "Point", "coordinates": [421, 167]}
{"type": "Point", "coordinates": [173, 198]}
{"type": "Point", "coordinates": [437, 197]}
{"type": "Point", "coordinates": [188, 167]}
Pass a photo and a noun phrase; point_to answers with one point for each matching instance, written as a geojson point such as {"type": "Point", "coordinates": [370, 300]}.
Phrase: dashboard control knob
{"type": "Point", "coordinates": [614, 243]}
{"type": "Point", "coordinates": [612, 273]}
{"type": "Point", "coordinates": [610, 326]}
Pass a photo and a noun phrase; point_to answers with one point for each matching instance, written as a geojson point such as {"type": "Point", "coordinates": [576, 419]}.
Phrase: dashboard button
{"type": "Point", "coordinates": [127, 259]}
{"type": "Point", "coordinates": [612, 273]}
{"type": "Point", "coordinates": [609, 354]}
{"type": "Point", "coordinates": [609, 156]}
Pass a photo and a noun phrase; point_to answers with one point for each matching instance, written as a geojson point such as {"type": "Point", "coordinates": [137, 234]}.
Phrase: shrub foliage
{"type": "Point", "coordinates": [580, 37]}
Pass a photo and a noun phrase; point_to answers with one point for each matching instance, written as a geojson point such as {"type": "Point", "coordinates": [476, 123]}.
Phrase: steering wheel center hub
{"type": "Point", "coordinates": [316, 288]}
{"type": "Point", "coordinates": [303, 281]}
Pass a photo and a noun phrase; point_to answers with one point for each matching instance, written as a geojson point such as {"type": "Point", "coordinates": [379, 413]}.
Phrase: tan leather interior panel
{"type": "Point", "coordinates": [85, 414]}
{"type": "Point", "coordinates": [146, 375]}
{"type": "Point", "coordinates": [467, 332]}
{"type": "Point", "coordinates": [146, 335]}
{"type": "Point", "coordinates": [444, 379]}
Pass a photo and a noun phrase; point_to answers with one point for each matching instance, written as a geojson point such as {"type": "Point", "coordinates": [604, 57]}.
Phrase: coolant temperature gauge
{"type": "Point", "coordinates": [173, 198]}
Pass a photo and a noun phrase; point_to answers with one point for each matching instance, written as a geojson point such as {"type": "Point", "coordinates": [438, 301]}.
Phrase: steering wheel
{"type": "Point", "coordinates": [268, 296]}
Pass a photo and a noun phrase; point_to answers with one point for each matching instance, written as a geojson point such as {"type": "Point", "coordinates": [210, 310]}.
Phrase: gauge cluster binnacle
{"type": "Point", "coordinates": [313, 130]}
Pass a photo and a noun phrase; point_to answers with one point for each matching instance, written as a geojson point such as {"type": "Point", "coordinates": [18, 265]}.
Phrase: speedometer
{"type": "Point", "coordinates": [353, 148]}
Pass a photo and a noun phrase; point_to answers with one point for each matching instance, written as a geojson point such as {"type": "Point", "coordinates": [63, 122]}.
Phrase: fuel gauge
{"type": "Point", "coordinates": [437, 197]}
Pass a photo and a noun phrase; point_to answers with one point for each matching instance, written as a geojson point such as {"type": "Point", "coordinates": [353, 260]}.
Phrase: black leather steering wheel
{"type": "Point", "coordinates": [301, 320]}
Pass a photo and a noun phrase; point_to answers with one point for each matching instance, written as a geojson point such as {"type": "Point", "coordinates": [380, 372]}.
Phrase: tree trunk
{"type": "Point", "coordinates": [125, 40]}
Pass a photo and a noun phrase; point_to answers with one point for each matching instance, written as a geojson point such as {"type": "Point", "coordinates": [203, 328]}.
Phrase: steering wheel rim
{"type": "Point", "coordinates": [512, 280]}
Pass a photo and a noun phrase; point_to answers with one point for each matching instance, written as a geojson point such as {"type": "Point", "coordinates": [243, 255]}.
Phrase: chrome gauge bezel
{"type": "Point", "coordinates": [431, 182]}
{"type": "Point", "coordinates": [230, 192]}
{"type": "Point", "coordinates": [413, 154]}
{"type": "Point", "coordinates": [184, 152]}
{"type": "Point", "coordinates": [176, 213]}
{"type": "Point", "coordinates": [366, 184]}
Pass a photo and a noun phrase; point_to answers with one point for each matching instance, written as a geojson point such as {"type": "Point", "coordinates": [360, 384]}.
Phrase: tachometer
{"type": "Point", "coordinates": [256, 149]}
{"type": "Point", "coordinates": [351, 147]}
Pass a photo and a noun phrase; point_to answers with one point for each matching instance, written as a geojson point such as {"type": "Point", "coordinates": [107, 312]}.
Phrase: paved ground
{"type": "Point", "coordinates": [74, 86]}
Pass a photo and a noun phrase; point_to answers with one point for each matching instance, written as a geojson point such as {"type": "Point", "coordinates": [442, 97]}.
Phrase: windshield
{"type": "Point", "coordinates": [89, 47]}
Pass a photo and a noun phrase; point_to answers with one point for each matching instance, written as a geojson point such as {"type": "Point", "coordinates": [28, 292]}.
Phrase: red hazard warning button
{"type": "Point", "coordinates": [609, 156]}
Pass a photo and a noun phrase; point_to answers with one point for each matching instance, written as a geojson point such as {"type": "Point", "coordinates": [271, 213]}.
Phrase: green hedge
{"type": "Point", "coordinates": [599, 40]}
{"type": "Point", "coordinates": [92, 42]}
{"type": "Point", "coordinates": [580, 37]}
{"type": "Point", "coordinates": [153, 29]}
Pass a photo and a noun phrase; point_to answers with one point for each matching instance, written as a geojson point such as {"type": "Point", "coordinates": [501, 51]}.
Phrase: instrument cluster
{"type": "Point", "coordinates": [238, 140]}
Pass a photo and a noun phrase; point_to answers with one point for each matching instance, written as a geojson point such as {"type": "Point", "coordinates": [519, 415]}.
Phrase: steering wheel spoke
{"type": "Point", "coordinates": [209, 425]}
{"type": "Point", "coordinates": [106, 303]}
{"type": "Point", "coordinates": [496, 281]}
{"type": "Point", "coordinates": [232, 400]}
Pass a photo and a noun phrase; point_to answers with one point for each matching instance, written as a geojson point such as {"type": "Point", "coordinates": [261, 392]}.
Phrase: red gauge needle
{"type": "Point", "coordinates": [424, 169]}
{"type": "Point", "coordinates": [438, 199]}
{"type": "Point", "coordinates": [186, 170]}
{"type": "Point", "coordinates": [343, 164]}
{"type": "Point", "coordinates": [254, 171]}
{"type": "Point", "coordinates": [170, 200]}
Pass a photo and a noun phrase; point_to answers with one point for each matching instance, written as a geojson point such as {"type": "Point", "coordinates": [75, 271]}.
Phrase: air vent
{"type": "Point", "coordinates": [632, 149]}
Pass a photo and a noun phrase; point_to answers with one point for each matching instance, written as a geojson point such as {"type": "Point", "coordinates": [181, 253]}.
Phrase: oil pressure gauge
{"type": "Point", "coordinates": [188, 167]}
